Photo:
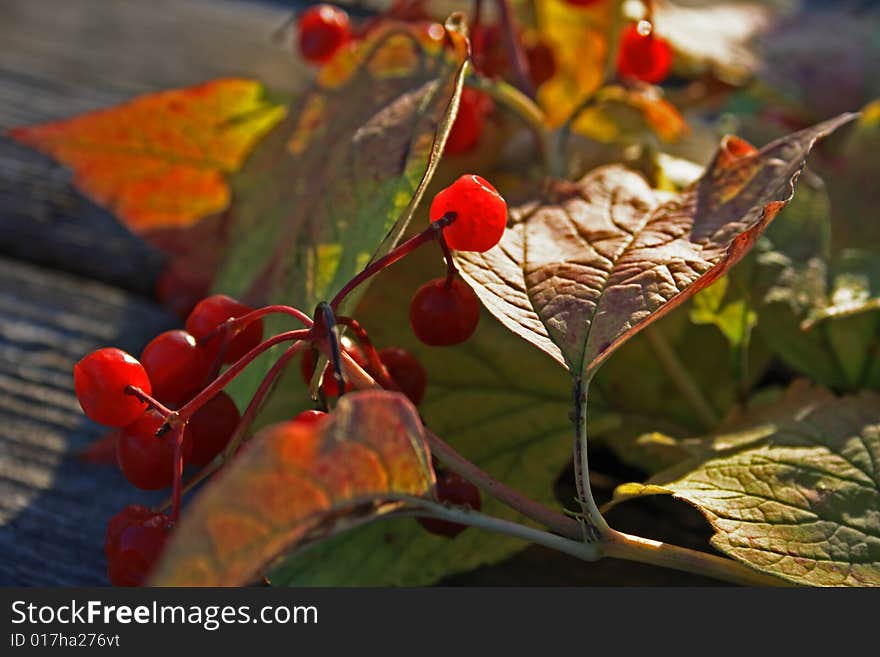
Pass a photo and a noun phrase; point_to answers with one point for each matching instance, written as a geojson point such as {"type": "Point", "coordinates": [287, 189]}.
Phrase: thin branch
{"type": "Point", "coordinates": [635, 548]}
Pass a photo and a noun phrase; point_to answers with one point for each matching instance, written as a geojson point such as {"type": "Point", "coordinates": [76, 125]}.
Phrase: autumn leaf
{"type": "Point", "coordinates": [335, 183]}
{"type": "Point", "coordinates": [793, 490]}
{"type": "Point", "coordinates": [295, 483]}
{"type": "Point", "coordinates": [582, 269]}
{"type": "Point", "coordinates": [161, 160]}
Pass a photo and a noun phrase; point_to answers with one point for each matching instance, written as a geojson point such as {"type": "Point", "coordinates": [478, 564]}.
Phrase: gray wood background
{"type": "Point", "coordinates": [72, 279]}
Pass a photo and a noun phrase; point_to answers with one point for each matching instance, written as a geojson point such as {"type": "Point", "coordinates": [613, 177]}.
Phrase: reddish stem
{"type": "Point", "coordinates": [177, 493]}
{"type": "Point", "coordinates": [451, 269]}
{"type": "Point", "coordinates": [514, 49]}
{"type": "Point", "coordinates": [363, 339]}
{"type": "Point", "coordinates": [236, 324]}
{"type": "Point", "coordinates": [430, 233]}
{"type": "Point", "coordinates": [149, 400]}
{"type": "Point", "coordinates": [190, 408]}
{"type": "Point", "coordinates": [256, 401]}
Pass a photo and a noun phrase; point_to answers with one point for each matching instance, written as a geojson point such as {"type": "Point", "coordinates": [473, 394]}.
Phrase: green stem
{"type": "Point", "coordinates": [594, 524]}
{"type": "Point", "coordinates": [613, 42]}
{"type": "Point", "coordinates": [465, 516]}
{"type": "Point", "coordinates": [635, 548]}
{"type": "Point", "coordinates": [681, 378]}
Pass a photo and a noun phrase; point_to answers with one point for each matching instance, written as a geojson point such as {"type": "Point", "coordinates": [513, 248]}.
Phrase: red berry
{"type": "Point", "coordinates": [100, 380]}
{"type": "Point", "coordinates": [442, 315]}
{"type": "Point", "coordinates": [211, 428]}
{"type": "Point", "coordinates": [406, 372]}
{"type": "Point", "coordinates": [310, 417]}
{"type": "Point", "coordinates": [177, 366]}
{"type": "Point", "coordinates": [583, 3]}
{"type": "Point", "coordinates": [211, 312]}
{"type": "Point", "coordinates": [133, 543]}
{"type": "Point", "coordinates": [328, 381]}
{"type": "Point", "coordinates": [643, 55]}
{"type": "Point", "coordinates": [323, 30]}
{"type": "Point", "coordinates": [481, 214]}
{"type": "Point", "coordinates": [146, 460]}
{"type": "Point", "coordinates": [468, 126]}
{"type": "Point", "coordinates": [452, 489]}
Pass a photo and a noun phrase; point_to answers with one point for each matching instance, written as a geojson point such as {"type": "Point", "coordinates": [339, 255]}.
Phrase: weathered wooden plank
{"type": "Point", "coordinates": [53, 508]}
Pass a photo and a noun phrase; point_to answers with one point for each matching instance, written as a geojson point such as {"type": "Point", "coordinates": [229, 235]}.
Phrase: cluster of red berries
{"type": "Point", "coordinates": [168, 408]}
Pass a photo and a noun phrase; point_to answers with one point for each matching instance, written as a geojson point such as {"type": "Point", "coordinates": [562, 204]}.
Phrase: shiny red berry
{"type": "Point", "coordinates": [211, 312]}
{"type": "Point", "coordinates": [480, 214]}
{"type": "Point", "coordinates": [133, 543]}
{"type": "Point", "coordinates": [643, 55]}
{"type": "Point", "coordinates": [211, 428]}
{"type": "Point", "coordinates": [584, 3]}
{"type": "Point", "coordinates": [323, 30]}
{"type": "Point", "coordinates": [310, 417]}
{"type": "Point", "coordinates": [145, 459]}
{"type": "Point", "coordinates": [473, 109]}
{"type": "Point", "coordinates": [444, 313]}
{"type": "Point", "coordinates": [100, 380]}
{"type": "Point", "coordinates": [455, 490]}
{"type": "Point", "coordinates": [406, 371]}
{"type": "Point", "coordinates": [328, 381]}
{"type": "Point", "coordinates": [178, 368]}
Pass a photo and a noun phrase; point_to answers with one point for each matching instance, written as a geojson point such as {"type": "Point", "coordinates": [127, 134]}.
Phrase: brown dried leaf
{"type": "Point", "coordinates": [584, 268]}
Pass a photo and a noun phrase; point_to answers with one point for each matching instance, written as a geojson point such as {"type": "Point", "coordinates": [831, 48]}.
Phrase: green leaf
{"type": "Point", "coordinates": [501, 405]}
{"type": "Point", "coordinates": [734, 319]}
{"type": "Point", "coordinates": [591, 263]}
{"type": "Point", "coordinates": [295, 483]}
{"type": "Point", "coordinates": [793, 490]}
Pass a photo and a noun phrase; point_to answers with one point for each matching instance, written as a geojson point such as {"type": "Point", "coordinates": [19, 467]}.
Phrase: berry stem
{"type": "Point", "coordinates": [325, 319]}
{"type": "Point", "coordinates": [256, 401]}
{"type": "Point", "coordinates": [514, 49]}
{"type": "Point", "coordinates": [149, 400]}
{"type": "Point", "coordinates": [244, 423]}
{"type": "Point", "coordinates": [190, 408]}
{"type": "Point", "coordinates": [427, 235]}
{"type": "Point", "coordinates": [177, 486]}
{"type": "Point", "coordinates": [238, 323]}
{"type": "Point", "coordinates": [451, 269]}
{"type": "Point", "coordinates": [554, 521]}
{"type": "Point", "coordinates": [363, 339]}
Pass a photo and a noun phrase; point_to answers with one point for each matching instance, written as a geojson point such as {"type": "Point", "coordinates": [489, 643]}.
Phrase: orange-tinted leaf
{"type": "Point", "coordinates": [298, 482]}
{"type": "Point", "coordinates": [593, 262]}
{"type": "Point", "coordinates": [159, 161]}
